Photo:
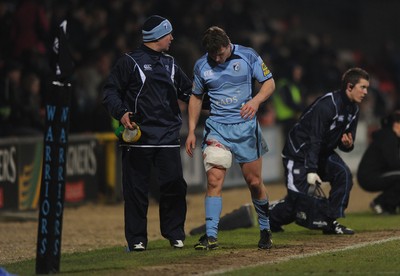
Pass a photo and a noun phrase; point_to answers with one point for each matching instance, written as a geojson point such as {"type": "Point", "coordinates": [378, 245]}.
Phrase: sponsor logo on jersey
{"type": "Point", "coordinates": [147, 67]}
{"type": "Point", "coordinates": [265, 69]}
{"type": "Point", "coordinates": [227, 101]}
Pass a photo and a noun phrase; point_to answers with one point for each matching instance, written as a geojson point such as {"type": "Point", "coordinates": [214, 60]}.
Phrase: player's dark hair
{"type": "Point", "coordinates": [353, 76]}
{"type": "Point", "coordinates": [389, 120]}
{"type": "Point", "coordinates": [214, 38]}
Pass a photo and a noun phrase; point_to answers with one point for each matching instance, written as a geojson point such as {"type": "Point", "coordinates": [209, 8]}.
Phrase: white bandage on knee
{"type": "Point", "coordinates": [217, 156]}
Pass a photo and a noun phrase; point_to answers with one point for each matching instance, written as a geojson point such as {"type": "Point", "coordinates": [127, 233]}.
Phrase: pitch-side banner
{"type": "Point", "coordinates": [52, 190]}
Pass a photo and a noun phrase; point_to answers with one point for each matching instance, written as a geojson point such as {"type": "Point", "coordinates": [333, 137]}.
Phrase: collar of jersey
{"type": "Point", "coordinates": [346, 99]}
{"type": "Point", "coordinates": [149, 50]}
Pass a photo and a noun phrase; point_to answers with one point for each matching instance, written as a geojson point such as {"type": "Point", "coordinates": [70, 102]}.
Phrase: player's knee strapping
{"type": "Point", "coordinates": [217, 155]}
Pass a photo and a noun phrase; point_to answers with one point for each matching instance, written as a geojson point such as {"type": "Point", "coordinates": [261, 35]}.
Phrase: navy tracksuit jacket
{"type": "Point", "coordinates": [310, 147]}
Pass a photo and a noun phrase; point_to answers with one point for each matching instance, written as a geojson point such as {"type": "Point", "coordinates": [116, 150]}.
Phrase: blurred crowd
{"type": "Point", "coordinates": [99, 31]}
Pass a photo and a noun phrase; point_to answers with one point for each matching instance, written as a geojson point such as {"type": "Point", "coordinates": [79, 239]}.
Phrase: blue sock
{"type": "Point", "coordinates": [261, 206]}
{"type": "Point", "coordinates": [213, 206]}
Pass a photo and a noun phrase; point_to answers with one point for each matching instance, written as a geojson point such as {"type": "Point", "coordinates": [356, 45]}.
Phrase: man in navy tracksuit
{"type": "Point", "coordinates": [143, 89]}
{"type": "Point", "coordinates": [309, 153]}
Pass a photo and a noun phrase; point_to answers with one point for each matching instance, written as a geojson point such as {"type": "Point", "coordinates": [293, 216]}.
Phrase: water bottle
{"type": "Point", "coordinates": [128, 135]}
{"type": "Point", "coordinates": [131, 135]}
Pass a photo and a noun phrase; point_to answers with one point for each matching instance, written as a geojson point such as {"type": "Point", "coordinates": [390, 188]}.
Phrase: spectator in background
{"type": "Point", "coordinates": [289, 98]}
{"type": "Point", "coordinates": [101, 121]}
{"type": "Point", "coordinates": [29, 31]}
{"type": "Point", "coordinates": [10, 95]}
{"type": "Point", "coordinates": [225, 73]}
{"type": "Point", "coordinates": [143, 89]}
{"type": "Point", "coordinates": [87, 88]}
{"type": "Point", "coordinates": [21, 111]}
{"type": "Point", "coordinates": [379, 168]}
{"type": "Point", "coordinates": [27, 114]}
{"type": "Point", "coordinates": [309, 153]}
{"type": "Point", "coordinates": [113, 25]}
{"type": "Point", "coordinates": [6, 17]}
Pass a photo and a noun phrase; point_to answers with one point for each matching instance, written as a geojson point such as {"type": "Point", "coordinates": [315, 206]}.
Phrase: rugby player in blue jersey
{"type": "Point", "coordinates": [226, 73]}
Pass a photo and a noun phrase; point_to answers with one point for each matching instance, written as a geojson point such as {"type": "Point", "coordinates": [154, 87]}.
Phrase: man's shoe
{"type": "Point", "coordinates": [379, 210]}
{"type": "Point", "coordinates": [176, 243]}
{"type": "Point", "coordinates": [206, 243]}
{"type": "Point", "coordinates": [265, 239]}
{"type": "Point", "coordinates": [335, 228]}
{"type": "Point", "coordinates": [137, 247]}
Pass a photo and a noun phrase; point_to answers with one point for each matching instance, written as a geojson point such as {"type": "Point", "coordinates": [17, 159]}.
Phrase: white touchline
{"type": "Point", "coordinates": [300, 256]}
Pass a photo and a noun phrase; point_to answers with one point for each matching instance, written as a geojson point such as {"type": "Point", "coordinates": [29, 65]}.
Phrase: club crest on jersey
{"type": "Point", "coordinates": [265, 69]}
{"type": "Point", "coordinates": [208, 73]}
{"type": "Point", "coordinates": [167, 68]}
{"type": "Point", "coordinates": [147, 67]}
{"type": "Point", "coordinates": [340, 118]}
{"type": "Point", "coordinates": [236, 66]}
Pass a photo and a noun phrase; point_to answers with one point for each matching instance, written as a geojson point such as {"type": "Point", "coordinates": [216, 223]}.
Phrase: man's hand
{"type": "Point", "coordinates": [190, 143]}
{"type": "Point", "coordinates": [126, 121]}
{"type": "Point", "coordinates": [347, 140]}
{"type": "Point", "coordinates": [313, 178]}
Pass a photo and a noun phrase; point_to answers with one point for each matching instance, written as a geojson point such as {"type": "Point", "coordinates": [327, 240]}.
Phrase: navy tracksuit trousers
{"type": "Point", "coordinates": [136, 179]}
{"type": "Point", "coordinates": [332, 169]}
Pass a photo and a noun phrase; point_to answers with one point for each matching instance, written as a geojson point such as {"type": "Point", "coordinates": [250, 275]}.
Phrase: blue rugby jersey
{"type": "Point", "coordinates": [229, 85]}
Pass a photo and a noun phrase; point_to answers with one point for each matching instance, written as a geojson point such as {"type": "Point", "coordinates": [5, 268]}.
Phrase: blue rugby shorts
{"type": "Point", "coordinates": [244, 140]}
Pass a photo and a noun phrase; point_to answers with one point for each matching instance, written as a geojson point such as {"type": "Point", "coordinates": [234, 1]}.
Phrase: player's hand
{"type": "Point", "coordinates": [347, 140]}
{"type": "Point", "coordinates": [190, 143]}
{"type": "Point", "coordinates": [313, 178]}
{"type": "Point", "coordinates": [248, 110]}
